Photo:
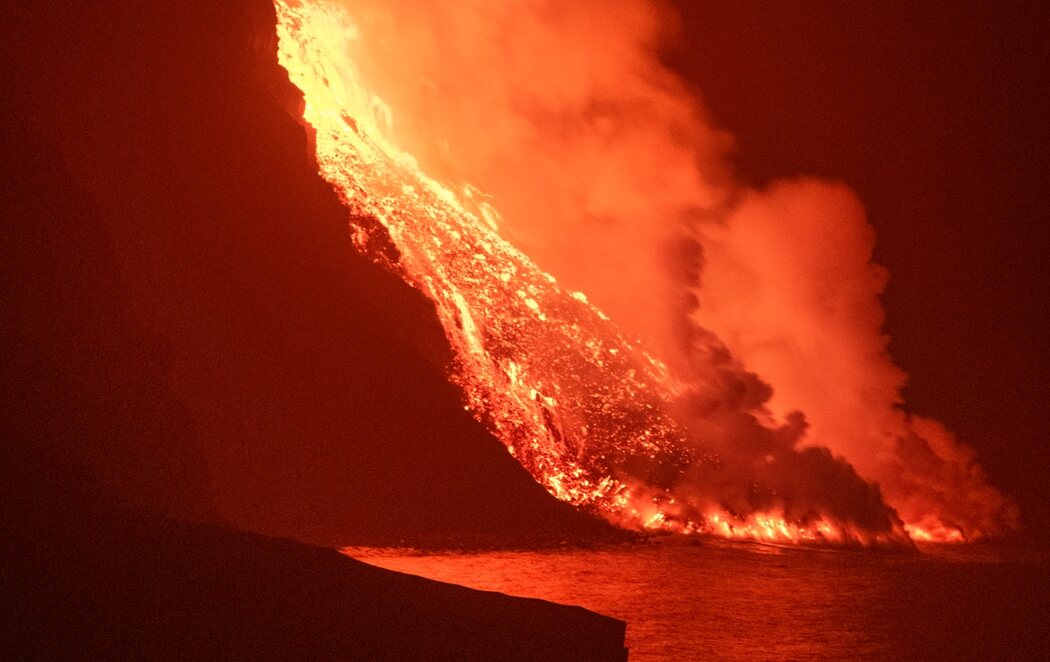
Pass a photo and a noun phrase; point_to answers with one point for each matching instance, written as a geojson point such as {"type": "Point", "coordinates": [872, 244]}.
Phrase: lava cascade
{"type": "Point", "coordinates": [594, 413]}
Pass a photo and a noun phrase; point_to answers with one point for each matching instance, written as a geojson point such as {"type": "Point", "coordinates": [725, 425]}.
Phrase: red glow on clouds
{"type": "Point", "coordinates": [649, 338]}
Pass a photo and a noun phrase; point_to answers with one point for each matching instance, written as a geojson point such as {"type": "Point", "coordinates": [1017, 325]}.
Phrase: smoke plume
{"type": "Point", "coordinates": [765, 305]}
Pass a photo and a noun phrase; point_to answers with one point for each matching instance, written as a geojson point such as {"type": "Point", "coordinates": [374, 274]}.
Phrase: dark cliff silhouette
{"type": "Point", "coordinates": [188, 280]}
{"type": "Point", "coordinates": [187, 335]}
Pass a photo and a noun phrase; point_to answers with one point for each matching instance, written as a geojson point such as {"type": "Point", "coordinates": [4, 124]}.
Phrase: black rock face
{"type": "Point", "coordinates": [189, 322]}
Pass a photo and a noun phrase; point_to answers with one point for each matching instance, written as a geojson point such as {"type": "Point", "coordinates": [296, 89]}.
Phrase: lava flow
{"type": "Point", "coordinates": [597, 415]}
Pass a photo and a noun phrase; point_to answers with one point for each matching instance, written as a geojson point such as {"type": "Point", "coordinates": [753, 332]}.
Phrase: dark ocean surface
{"type": "Point", "coordinates": [733, 601]}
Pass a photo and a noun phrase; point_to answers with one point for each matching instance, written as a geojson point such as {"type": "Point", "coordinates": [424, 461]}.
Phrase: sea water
{"type": "Point", "coordinates": [731, 601]}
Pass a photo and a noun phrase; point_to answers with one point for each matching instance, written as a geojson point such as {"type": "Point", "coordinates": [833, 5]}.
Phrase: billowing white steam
{"type": "Point", "coordinates": [610, 175]}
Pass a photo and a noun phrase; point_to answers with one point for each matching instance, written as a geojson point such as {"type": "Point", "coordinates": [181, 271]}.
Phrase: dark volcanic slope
{"type": "Point", "coordinates": [184, 318]}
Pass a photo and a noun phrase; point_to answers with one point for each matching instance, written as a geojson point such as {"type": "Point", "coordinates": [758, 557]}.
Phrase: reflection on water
{"type": "Point", "coordinates": [743, 602]}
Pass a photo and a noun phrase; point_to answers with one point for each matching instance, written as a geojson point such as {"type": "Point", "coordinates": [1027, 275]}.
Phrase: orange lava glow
{"type": "Point", "coordinates": [585, 407]}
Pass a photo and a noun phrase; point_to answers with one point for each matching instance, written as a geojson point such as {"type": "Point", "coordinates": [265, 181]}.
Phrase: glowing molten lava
{"type": "Point", "coordinates": [587, 409]}
{"type": "Point", "coordinates": [536, 362]}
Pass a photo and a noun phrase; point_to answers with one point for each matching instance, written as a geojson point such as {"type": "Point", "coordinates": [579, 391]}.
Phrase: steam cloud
{"type": "Point", "coordinates": [765, 303]}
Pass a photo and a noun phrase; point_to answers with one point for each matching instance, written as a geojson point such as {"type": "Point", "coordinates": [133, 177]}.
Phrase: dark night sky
{"type": "Point", "coordinates": [936, 114]}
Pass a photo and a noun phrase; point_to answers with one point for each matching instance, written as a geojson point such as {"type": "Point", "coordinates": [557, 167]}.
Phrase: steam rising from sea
{"type": "Point", "coordinates": [762, 304]}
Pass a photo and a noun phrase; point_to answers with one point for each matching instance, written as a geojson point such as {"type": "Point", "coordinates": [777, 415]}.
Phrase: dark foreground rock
{"type": "Point", "coordinates": [160, 590]}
